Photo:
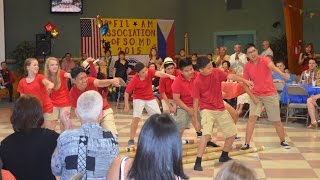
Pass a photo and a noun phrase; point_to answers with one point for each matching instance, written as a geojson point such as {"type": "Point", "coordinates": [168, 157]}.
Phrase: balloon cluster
{"type": "Point", "coordinates": [103, 27]}
{"type": "Point", "coordinates": [51, 29]}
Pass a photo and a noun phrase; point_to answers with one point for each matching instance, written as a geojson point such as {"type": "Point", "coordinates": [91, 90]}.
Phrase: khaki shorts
{"type": "Point", "coordinates": [270, 103]}
{"type": "Point", "coordinates": [223, 120]}
{"type": "Point", "coordinates": [107, 121]}
{"type": "Point", "coordinates": [165, 107]}
{"type": "Point", "coordinates": [151, 106]}
{"type": "Point", "coordinates": [183, 119]}
{"type": "Point", "coordinates": [57, 111]}
{"type": "Point", "coordinates": [48, 117]}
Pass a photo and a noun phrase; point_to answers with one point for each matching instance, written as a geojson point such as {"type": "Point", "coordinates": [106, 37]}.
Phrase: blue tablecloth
{"type": "Point", "coordinates": [298, 98]}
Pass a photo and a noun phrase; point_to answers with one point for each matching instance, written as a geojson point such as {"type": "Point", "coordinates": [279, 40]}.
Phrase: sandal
{"type": "Point", "coordinates": [313, 125]}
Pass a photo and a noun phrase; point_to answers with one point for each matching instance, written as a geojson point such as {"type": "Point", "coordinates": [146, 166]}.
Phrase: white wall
{"type": "Point", "coordinates": [2, 41]}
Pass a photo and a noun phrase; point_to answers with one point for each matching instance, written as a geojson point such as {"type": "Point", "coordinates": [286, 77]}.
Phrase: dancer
{"type": "Point", "coordinates": [83, 83]}
{"type": "Point", "coordinates": [207, 93]}
{"type": "Point", "coordinates": [259, 70]}
{"type": "Point", "coordinates": [141, 88]}
{"type": "Point", "coordinates": [37, 85]}
{"type": "Point", "coordinates": [60, 93]}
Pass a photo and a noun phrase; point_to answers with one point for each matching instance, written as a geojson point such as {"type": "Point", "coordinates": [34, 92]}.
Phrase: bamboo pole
{"type": "Point", "coordinates": [217, 156]}
{"type": "Point", "coordinates": [208, 150]}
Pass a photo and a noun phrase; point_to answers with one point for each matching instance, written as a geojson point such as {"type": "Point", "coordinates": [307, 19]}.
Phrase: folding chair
{"type": "Point", "coordinates": [296, 90]}
{"type": "Point", "coordinates": [122, 85]}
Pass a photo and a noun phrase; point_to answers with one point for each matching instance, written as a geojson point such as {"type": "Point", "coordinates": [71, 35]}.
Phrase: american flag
{"type": "Point", "coordinates": [90, 37]}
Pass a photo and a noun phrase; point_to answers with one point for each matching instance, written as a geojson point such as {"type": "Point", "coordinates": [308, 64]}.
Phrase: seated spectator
{"type": "Point", "coordinates": [226, 67]}
{"type": "Point", "coordinates": [153, 159]}
{"type": "Point", "coordinates": [67, 63]}
{"type": "Point", "coordinates": [313, 103]}
{"type": "Point", "coordinates": [216, 54]}
{"type": "Point", "coordinates": [89, 149]}
{"type": "Point", "coordinates": [27, 152]}
{"type": "Point", "coordinates": [311, 74]}
{"type": "Point", "coordinates": [267, 51]}
{"type": "Point", "coordinates": [194, 59]}
{"type": "Point", "coordinates": [154, 58]}
{"type": "Point", "coordinates": [306, 54]}
{"type": "Point", "coordinates": [236, 170]}
{"type": "Point", "coordinates": [277, 78]}
{"type": "Point", "coordinates": [7, 79]}
{"type": "Point", "coordinates": [222, 56]}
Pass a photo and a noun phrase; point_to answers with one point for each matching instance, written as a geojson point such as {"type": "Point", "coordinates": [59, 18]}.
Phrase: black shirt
{"type": "Point", "coordinates": [27, 155]}
{"type": "Point", "coordinates": [121, 69]}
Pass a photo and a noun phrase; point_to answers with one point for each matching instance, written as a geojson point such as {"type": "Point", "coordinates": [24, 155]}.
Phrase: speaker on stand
{"type": "Point", "coordinates": [43, 45]}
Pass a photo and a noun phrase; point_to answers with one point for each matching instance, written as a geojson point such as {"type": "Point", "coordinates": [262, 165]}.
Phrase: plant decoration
{"type": "Point", "coordinates": [23, 51]}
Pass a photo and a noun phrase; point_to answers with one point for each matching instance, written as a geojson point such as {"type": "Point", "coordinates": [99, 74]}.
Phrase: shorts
{"type": "Point", "coordinates": [151, 106]}
{"type": "Point", "coordinates": [270, 103]}
{"type": "Point", "coordinates": [183, 119]}
{"type": "Point", "coordinates": [48, 117]}
{"type": "Point", "coordinates": [107, 121]}
{"type": "Point", "coordinates": [57, 111]}
{"type": "Point", "coordinates": [165, 107]}
{"type": "Point", "coordinates": [223, 120]}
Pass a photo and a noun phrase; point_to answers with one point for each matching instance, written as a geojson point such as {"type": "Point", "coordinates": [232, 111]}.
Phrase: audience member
{"type": "Point", "coordinates": [266, 49]}
{"type": "Point", "coordinates": [194, 59]}
{"type": "Point", "coordinates": [305, 56]}
{"type": "Point", "coordinates": [310, 74]}
{"type": "Point", "coordinates": [90, 149]}
{"type": "Point", "coordinates": [8, 79]}
{"type": "Point", "coordinates": [277, 78]}
{"type": "Point", "coordinates": [153, 159]}
{"type": "Point", "coordinates": [27, 152]}
{"type": "Point", "coordinates": [216, 54]}
{"type": "Point", "coordinates": [313, 103]}
{"type": "Point", "coordinates": [236, 170]}
{"type": "Point", "coordinates": [67, 63]}
{"type": "Point", "coordinates": [154, 58]}
{"type": "Point", "coordinates": [238, 59]}
{"type": "Point", "coordinates": [222, 56]}
{"type": "Point", "coordinates": [226, 67]}
{"type": "Point", "coordinates": [121, 67]}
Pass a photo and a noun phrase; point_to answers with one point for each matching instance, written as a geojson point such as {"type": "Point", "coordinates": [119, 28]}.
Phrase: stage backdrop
{"type": "Point", "coordinates": [133, 36]}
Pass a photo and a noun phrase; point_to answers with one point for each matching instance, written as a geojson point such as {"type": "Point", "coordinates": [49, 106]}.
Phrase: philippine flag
{"type": "Point", "coordinates": [165, 32]}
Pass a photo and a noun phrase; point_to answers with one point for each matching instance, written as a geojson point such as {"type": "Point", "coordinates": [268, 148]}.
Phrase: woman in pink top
{"type": "Point", "coordinates": [153, 159]}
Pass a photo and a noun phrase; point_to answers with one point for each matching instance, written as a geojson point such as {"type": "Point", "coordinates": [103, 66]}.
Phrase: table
{"type": "Point", "coordinates": [299, 98]}
{"type": "Point", "coordinates": [232, 89]}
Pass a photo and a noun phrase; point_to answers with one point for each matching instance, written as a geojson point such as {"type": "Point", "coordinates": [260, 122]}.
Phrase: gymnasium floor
{"type": "Point", "coordinates": [302, 161]}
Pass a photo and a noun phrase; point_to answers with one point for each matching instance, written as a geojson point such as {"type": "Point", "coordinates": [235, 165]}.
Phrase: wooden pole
{"type": "Point", "coordinates": [186, 43]}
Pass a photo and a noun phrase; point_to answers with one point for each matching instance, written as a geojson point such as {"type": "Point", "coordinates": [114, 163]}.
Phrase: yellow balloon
{"type": "Point", "coordinates": [54, 33]}
{"type": "Point", "coordinates": [99, 21]}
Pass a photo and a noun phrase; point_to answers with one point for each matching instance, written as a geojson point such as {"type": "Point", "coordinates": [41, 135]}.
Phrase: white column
{"type": "Point", "coordinates": [2, 40]}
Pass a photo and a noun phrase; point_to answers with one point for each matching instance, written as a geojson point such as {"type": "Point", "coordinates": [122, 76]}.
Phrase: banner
{"type": "Point", "coordinates": [133, 36]}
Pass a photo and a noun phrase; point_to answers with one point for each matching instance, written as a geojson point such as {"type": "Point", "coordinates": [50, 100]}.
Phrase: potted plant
{"type": "Point", "coordinates": [23, 51]}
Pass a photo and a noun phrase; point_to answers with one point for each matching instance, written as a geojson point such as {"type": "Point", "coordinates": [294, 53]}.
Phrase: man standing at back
{"type": "Point", "coordinates": [88, 150]}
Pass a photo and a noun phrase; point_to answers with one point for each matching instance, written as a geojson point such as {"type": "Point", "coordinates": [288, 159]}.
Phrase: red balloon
{"type": "Point", "coordinates": [49, 27]}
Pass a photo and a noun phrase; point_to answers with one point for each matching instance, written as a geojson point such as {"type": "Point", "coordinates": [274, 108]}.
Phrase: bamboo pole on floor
{"type": "Point", "coordinates": [216, 156]}
{"type": "Point", "coordinates": [208, 150]}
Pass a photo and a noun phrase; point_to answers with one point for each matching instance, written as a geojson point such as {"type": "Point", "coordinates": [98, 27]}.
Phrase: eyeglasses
{"type": "Point", "coordinates": [251, 52]}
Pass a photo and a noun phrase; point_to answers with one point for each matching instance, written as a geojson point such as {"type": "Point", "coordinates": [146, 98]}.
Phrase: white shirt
{"type": "Point", "coordinates": [267, 52]}
{"type": "Point", "coordinates": [238, 65]}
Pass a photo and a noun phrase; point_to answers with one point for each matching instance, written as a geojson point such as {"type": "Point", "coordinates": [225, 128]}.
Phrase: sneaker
{"type": "Point", "coordinates": [131, 143]}
{"type": "Point", "coordinates": [198, 167]}
{"type": "Point", "coordinates": [245, 147]}
{"type": "Point", "coordinates": [285, 145]}
{"type": "Point", "coordinates": [212, 144]}
{"type": "Point", "coordinates": [225, 159]}
{"type": "Point", "coordinates": [199, 134]}
{"type": "Point", "coordinates": [237, 138]}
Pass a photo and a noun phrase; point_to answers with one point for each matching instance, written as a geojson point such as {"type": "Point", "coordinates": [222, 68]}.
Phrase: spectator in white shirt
{"type": "Point", "coordinates": [238, 59]}
{"type": "Point", "coordinates": [266, 49]}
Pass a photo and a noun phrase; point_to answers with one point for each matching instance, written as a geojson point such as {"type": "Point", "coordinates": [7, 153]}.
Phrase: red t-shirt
{"type": "Point", "coordinates": [142, 89]}
{"type": "Point", "coordinates": [75, 93]}
{"type": "Point", "coordinates": [261, 76]}
{"type": "Point", "coordinates": [165, 85]}
{"type": "Point", "coordinates": [38, 89]}
{"type": "Point", "coordinates": [183, 87]}
{"type": "Point", "coordinates": [208, 90]}
{"type": "Point", "coordinates": [60, 97]}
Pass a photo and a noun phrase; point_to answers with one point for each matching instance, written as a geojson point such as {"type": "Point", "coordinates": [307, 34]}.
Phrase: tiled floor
{"type": "Point", "coordinates": [302, 161]}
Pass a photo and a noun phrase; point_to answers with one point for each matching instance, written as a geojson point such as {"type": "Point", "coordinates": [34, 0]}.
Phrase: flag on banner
{"type": "Point", "coordinates": [90, 37]}
{"type": "Point", "coordinates": [165, 32]}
